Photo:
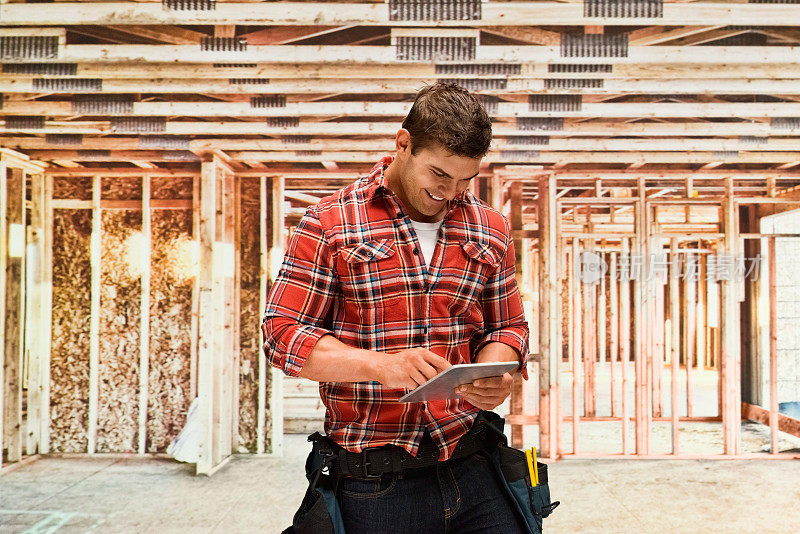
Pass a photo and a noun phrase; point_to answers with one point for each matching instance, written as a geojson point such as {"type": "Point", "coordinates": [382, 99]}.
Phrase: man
{"type": "Point", "coordinates": [387, 283]}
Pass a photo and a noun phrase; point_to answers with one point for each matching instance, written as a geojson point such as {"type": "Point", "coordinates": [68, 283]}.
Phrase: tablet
{"type": "Point", "coordinates": [443, 385]}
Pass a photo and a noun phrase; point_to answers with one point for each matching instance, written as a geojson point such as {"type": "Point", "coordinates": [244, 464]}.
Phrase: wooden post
{"type": "Point", "coordinates": [517, 393]}
{"type": "Point", "coordinates": [3, 267]}
{"type": "Point", "coordinates": [144, 315]}
{"type": "Point", "coordinates": [262, 304]}
{"type": "Point", "coordinates": [276, 253]}
{"type": "Point", "coordinates": [208, 321]}
{"type": "Point", "coordinates": [674, 307]}
{"type": "Point", "coordinates": [549, 318]}
{"type": "Point", "coordinates": [640, 324]}
{"type": "Point", "coordinates": [773, 347]}
{"type": "Point", "coordinates": [237, 309]}
{"type": "Point", "coordinates": [625, 340]}
{"type": "Point", "coordinates": [575, 294]}
{"type": "Point", "coordinates": [47, 314]}
{"type": "Point", "coordinates": [590, 341]}
{"type": "Point", "coordinates": [614, 328]}
{"type": "Point", "coordinates": [195, 287]}
{"type": "Point", "coordinates": [690, 307]}
{"type": "Point", "coordinates": [94, 320]}
{"type": "Point", "coordinates": [729, 322]}
{"type": "Point", "coordinates": [34, 323]}
{"type": "Point", "coordinates": [229, 362]}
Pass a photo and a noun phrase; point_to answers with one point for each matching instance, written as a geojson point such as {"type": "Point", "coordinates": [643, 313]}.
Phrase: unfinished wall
{"type": "Point", "coordinates": [170, 315]}
{"type": "Point", "coordinates": [69, 368]}
{"type": "Point", "coordinates": [120, 294]}
{"type": "Point", "coordinates": [250, 332]}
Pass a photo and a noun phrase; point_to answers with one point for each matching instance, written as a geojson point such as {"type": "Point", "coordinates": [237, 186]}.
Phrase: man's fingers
{"type": "Point", "coordinates": [437, 361]}
{"type": "Point", "coordinates": [428, 370]}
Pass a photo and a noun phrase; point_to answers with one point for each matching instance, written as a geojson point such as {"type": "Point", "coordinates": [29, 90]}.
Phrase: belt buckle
{"type": "Point", "coordinates": [366, 464]}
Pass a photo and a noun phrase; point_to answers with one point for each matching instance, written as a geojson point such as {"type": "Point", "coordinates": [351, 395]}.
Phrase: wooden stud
{"type": "Point", "coordinates": [35, 318]}
{"type": "Point", "coordinates": [3, 267]}
{"type": "Point", "coordinates": [262, 304]}
{"type": "Point", "coordinates": [47, 314]}
{"type": "Point", "coordinates": [773, 347]}
{"type": "Point", "coordinates": [549, 318]}
{"type": "Point", "coordinates": [690, 349]}
{"type": "Point", "coordinates": [144, 315]}
{"type": "Point", "coordinates": [208, 320]}
{"type": "Point", "coordinates": [237, 309]}
{"type": "Point", "coordinates": [613, 284]}
{"type": "Point", "coordinates": [276, 253]}
{"type": "Point", "coordinates": [195, 288]}
{"type": "Point", "coordinates": [576, 354]}
{"type": "Point", "coordinates": [729, 322]}
{"type": "Point", "coordinates": [517, 394]}
{"type": "Point", "coordinates": [640, 323]}
{"type": "Point", "coordinates": [94, 320]}
{"type": "Point", "coordinates": [674, 306]}
{"type": "Point", "coordinates": [625, 343]}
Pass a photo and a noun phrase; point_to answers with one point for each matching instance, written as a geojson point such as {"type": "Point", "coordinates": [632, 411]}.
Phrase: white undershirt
{"type": "Point", "coordinates": [428, 234]}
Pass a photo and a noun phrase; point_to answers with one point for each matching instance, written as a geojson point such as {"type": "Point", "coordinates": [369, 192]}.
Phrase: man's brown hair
{"type": "Point", "coordinates": [448, 114]}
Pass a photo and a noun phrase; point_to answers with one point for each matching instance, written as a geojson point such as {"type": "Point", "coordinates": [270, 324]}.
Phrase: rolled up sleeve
{"type": "Point", "coordinates": [503, 314]}
{"type": "Point", "coordinates": [299, 303]}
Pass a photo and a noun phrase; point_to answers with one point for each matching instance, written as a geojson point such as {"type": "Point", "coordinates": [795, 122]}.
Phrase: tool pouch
{"type": "Point", "coordinates": [319, 512]}
{"type": "Point", "coordinates": [532, 503]}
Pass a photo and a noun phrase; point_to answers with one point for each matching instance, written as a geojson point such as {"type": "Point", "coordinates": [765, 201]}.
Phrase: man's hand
{"type": "Point", "coordinates": [409, 368]}
{"type": "Point", "coordinates": [487, 393]}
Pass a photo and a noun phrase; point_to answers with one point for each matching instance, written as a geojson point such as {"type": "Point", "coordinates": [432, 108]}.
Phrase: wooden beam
{"type": "Point", "coordinates": [95, 248]}
{"type": "Point", "coordinates": [786, 424]}
{"type": "Point", "coordinates": [208, 330]}
{"type": "Point", "coordinates": [549, 318]}
{"type": "Point", "coordinates": [369, 14]}
{"type": "Point", "coordinates": [263, 367]}
{"type": "Point", "coordinates": [144, 314]}
{"type": "Point", "coordinates": [276, 253]}
{"type": "Point", "coordinates": [3, 306]}
{"type": "Point", "coordinates": [654, 35]}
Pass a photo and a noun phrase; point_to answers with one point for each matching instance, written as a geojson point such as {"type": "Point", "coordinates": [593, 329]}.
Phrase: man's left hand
{"type": "Point", "coordinates": [487, 393]}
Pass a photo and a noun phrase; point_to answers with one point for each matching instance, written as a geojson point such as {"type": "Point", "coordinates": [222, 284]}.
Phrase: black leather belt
{"type": "Point", "coordinates": [374, 462]}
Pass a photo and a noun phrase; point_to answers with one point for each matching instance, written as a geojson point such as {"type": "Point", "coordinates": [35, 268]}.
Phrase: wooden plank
{"type": "Point", "coordinates": [3, 304]}
{"type": "Point", "coordinates": [640, 326]}
{"type": "Point", "coordinates": [312, 126]}
{"type": "Point", "coordinates": [64, 108]}
{"type": "Point", "coordinates": [625, 344]}
{"type": "Point", "coordinates": [785, 423]}
{"type": "Point", "coordinates": [34, 323]}
{"type": "Point", "coordinates": [237, 310]}
{"type": "Point", "coordinates": [276, 252]}
{"type": "Point", "coordinates": [262, 303]}
{"type": "Point", "coordinates": [511, 85]}
{"type": "Point", "coordinates": [674, 306]}
{"type": "Point", "coordinates": [690, 337]}
{"type": "Point", "coordinates": [144, 314]}
{"type": "Point", "coordinates": [94, 319]}
{"type": "Point", "coordinates": [207, 319]}
{"type": "Point", "coordinates": [549, 318]}
{"type": "Point", "coordinates": [576, 354]}
{"type": "Point", "coordinates": [516, 402]}
{"type": "Point", "coordinates": [372, 14]}
{"type": "Point", "coordinates": [729, 326]}
{"type": "Point", "coordinates": [195, 288]}
{"type": "Point", "coordinates": [773, 349]}
{"type": "Point", "coordinates": [47, 314]}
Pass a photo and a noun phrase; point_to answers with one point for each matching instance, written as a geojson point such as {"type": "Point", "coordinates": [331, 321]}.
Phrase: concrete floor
{"type": "Point", "coordinates": [260, 495]}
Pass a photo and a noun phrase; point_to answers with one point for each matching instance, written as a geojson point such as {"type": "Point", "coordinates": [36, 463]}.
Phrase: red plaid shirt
{"type": "Point", "coordinates": [353, 268]}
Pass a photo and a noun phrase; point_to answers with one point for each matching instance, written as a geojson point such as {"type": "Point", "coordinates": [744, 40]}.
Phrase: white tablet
{"type": "Point", "coordinates": [443, 385]}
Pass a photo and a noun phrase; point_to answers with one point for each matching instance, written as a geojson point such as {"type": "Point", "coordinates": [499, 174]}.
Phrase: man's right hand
{"type": "Point", "coordinates": [409, 368]}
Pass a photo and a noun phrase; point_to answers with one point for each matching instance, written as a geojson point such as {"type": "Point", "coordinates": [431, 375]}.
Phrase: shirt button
{"type": "Point", "coordinates": [425, 330]}
{"type": "Point", "coordinates": [416, 252]}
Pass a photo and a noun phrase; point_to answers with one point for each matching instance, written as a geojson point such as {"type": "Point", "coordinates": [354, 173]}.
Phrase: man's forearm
{"type": "Point", "coordinates": [497, 352]}
{"type": "Point", "coordinates": [332, 361]}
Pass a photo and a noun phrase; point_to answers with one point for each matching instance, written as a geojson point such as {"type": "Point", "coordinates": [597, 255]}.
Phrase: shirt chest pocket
{"type": "Point", "coordinates": [478, 263]}
{"type": "Point", "coordinates": [370, 277]}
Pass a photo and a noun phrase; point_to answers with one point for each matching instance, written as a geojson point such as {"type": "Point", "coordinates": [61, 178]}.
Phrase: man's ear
{"type": "Point", "coordinates": [402, 142]}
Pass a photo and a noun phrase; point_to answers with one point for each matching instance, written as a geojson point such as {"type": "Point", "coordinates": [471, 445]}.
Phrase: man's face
{"type": "Point", "coordinates": [428, 180]}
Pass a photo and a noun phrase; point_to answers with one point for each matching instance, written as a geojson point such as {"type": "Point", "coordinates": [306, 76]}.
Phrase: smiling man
{"type": "Point", "coordinates": [385, 284]}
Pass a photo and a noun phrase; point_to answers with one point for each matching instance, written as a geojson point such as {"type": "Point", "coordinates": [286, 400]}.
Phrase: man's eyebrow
{"type": "Point", "coordinates": [437, 169]}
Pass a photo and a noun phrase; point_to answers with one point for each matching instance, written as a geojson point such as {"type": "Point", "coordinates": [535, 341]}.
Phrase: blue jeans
{"type": "Point", "coordinates": [457, 496]}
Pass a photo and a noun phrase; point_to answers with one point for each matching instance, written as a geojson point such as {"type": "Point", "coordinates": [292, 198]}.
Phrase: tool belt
{"type": "Point", "coordinates": [375, 462]}
{"type": "Point", "coordinates": [319, 513]}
